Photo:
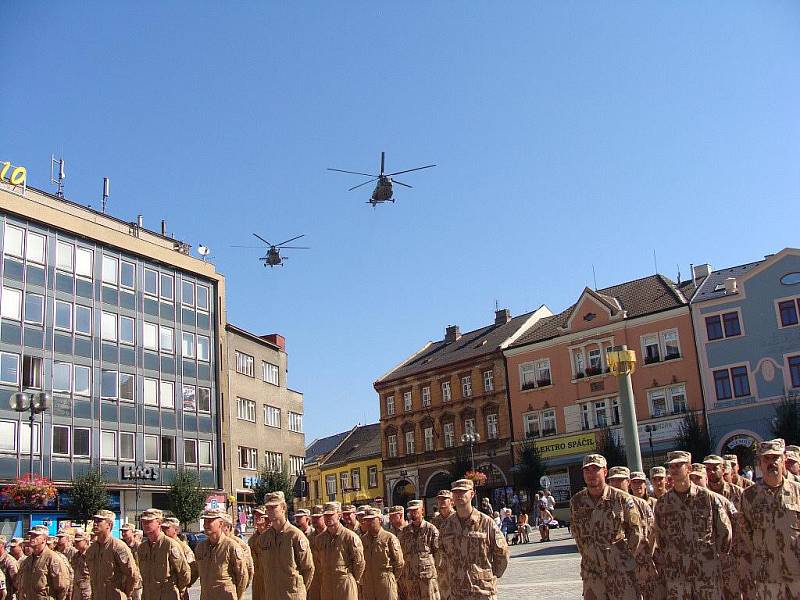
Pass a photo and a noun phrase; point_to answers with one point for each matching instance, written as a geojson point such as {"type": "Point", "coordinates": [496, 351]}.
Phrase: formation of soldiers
{"type": "Point", "coordinates": [331, 553]}
{"type": "Point", "coordinates": [705, 532]}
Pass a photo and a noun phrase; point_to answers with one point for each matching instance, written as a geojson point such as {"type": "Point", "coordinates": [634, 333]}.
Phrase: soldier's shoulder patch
{"type": "Point", "coordinates": [717, 502]}
{"type": "Point", "coordinates": [55, 567]}
{"type": "Point", "coordinates": [304, 545]}
{"type": "Point", "coordinates": [176, 553]}
{"type": "Point", "coordinates": [238, 552]}
{"type": "Point", "coordinates": [629, 504]}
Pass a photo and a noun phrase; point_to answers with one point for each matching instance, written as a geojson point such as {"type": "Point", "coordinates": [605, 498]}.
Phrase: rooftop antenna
{"type": "Point", "coordinates": [594, 277]}
{"type": "Point", "coordinates": [58, 181]}
{"type": "Point", "coordinates": [655, 261]}
{"type": "Point", "coordinates": [203, 251]}
{"type": "Point", "coordinates": [679, 274]}
{"type": "Point", "coordinates": [105, 192]}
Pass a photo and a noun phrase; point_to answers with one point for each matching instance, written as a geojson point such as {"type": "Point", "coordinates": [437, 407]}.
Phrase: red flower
{"type": "Point", "coordinates": [30, 491]}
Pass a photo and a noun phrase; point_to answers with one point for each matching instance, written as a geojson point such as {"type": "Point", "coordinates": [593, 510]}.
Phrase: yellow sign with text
{"type": "Point", "coordinates": [580, 443]}
{"type": "Point", "coordinates": [13, 175]}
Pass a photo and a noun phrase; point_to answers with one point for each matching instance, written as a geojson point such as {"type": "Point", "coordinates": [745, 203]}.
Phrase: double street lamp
{"type": "Point", "coordinates": [471, 438]}
{"type": "Point", "coordinates": [34, 404]}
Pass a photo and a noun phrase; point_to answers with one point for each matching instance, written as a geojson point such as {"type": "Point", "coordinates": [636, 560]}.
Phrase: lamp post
{"type": "Point", "coordinates": [33, 403]}
{"type": "Point", "coordinates": [622, 363]}
{"type": "Point", "coordinates": [471, 438]}
{"type": "Point", "coordinates": [650, 429]}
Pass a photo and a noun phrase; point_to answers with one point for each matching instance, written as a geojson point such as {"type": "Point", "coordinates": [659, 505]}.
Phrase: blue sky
{"type": "Point", "coordinates": [567, 134]}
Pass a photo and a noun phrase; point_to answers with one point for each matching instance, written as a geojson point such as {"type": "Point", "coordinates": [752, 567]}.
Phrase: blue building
{"type": "Point", "coordinates": [747, 333]}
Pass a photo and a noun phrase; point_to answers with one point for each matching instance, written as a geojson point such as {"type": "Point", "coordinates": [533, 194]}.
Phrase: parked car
{"type": "Point", "coordinates": [194, 538]}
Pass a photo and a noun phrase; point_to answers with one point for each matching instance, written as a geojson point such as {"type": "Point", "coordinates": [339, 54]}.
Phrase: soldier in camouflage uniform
{"type": "Point", "coordinates": [341, 557]}
{"type": "Point", "coordinates": [81, 582]}
{"type": "Point", "coordinates": [256, 550]}
{"type": "Point", "coordinates": [771, 528]}
{"type": "Point", "coordinates": [112, 568]}
{"type": "Point", "coordinates": [697, 474]}
{"type": "Point", "coordinates": [221, 562]}
{"type": "Point", "coordinates": [792, 455]}
{"type": "Point", "coordinates": [692, 532]}
{"type": "Point", "coordinates": [475, 551]}
{"type": "Point", "coordinates": [64, 543]}
{"type": "Point", "coordinates": [638, 487]}
{"type": "Point", "coordinates": [420, 543]}
{"type": "Point", "coordinates": [162, 563]}
{"type": "Point", "coordinates": [349, 519]}
{"type": "Point", "coordinates": [397, 520]}
{"type": "Point", "coordinates": [318, 521]}
{"type": "Point", "coordinates": [444, 502]}
{"type": "Point", "coordinates": [15, 549]}
{"type": "Point", "coordinates": [43, 574]}
{"type": "Point", "coordinates": [302, 520]}
{"type": "Point", "coordinates": [737, 479]}
{"type": "Point", "coordinates": [658, 477]}
{"type": "Point", "coordinates": [9, 567]}
{"type": "Point", "coordinates": [171, 528]}
{"type": "Point", "coordinates": [608, 530]}
{"type": "Point", "coordinates": [227, 528]}
{"type": "Point", "coordinates": [383, 559]}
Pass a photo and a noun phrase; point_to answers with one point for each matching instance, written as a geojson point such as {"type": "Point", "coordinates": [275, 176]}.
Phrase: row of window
{"type": "Point", "coordinates": [350, 481]}
{"type": "Point", "coordinates": [448, 432]}
{"type": "Point", "coordinates": [245, 364]}
{"type": "Point", "coordinates": [728, 324]}
{"type": "Point", "coordinates": [273, 461]}
{"type": "Point", "coordinates": [79, 261]}
{"type": "Point", "coordinates": [246, 411]}
{"type": "Point", "coordinates": [447, 395]}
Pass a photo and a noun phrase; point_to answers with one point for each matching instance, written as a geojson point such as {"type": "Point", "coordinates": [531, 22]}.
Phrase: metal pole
{"type": "Point", "coordinates": [30, 464]}
{"type": "Point", "coordinates": [632, 450]}
{"type": "Point", "coordinates": [652, 456]}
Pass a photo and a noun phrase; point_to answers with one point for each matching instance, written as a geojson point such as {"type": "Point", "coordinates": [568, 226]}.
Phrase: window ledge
{"type": "Point", "coordinates": [538, 387]}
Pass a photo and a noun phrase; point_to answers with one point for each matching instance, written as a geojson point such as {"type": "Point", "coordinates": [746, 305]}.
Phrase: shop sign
{"type": "Point", "coordinates": [249, 482]}
{"type": "Point", "coordinates": [13, 175]}
{"type": "Point", "coordinates": [140, 472]}
{"type": "Point", "coordinates": [738, 441]}
{"type": "Point", "coordinates": [215, 502]}
{"type": "Point", "coordinates": [580, 443]}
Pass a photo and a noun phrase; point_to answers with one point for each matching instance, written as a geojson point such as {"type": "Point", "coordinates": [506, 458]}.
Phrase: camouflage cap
{"type": "Point", "coordinates": [444, 494]}
{"type": "Point", "coordinates": [728, 465]}
{"type": "Point", "coordinates": [731, 457]}
{"type": "Point", "coordinates": [127, 527]}
{"type": "Point", "coordinates": [316, 510]}
{"type": "Point", "coordinates": [372, 513]}
{"type": "Point", "coordinates": [274, 499]}
{"type": "Point", "coordinates": [260, 510]}
{"type": "Point", "coordinates": [793, 448]}
{"type": "Point", "coordinates": [15, 542]}
{"type": "Point", "coordinates": [679, 456]}
{"type": "Point", "coordinates": [638, 476]}
{"type": "Point", "coordinates": [213, 514]}
{"type": "Point", "coordinates": [3, 540]}
{"type": "Point", "coordinates": [396, 509]}
{"type": "Point", "coordinates": [81, 535]}
{"type": "Point", "coordinates": [348, 508]}
{"type": "Point", "coordinates": [658, 472]}
{"type": "Point", "coordinates": [793, 456]}
{"type": "Point", "coordinates": [39, 530]}
{"type": "Point", "coordinates": [771, 447]}
{"type": "Point", "coordinates": [414, 504]}
{"type": "Point", "coordinates": [302, 512]}
{"type": "Point", "coordinates": [226, 518]}
{"type": "Point", "coordinates": [698, 468]}
{"type": "Point", "coordinates": [65, 533]}
{"type": "Point", "coordinates": [619, 473]}
{"type": "Point", "coordinates": [171, 522]}
{"type": "Point", "coordinates": [331, 508]}
{"type": "Point", "coordinates": [598, 460]}
{"type": "Point", "coordinates": [104, 515]}
{"type": "Point", "coordinates": [713, 459]}
{"type": "Point", "coordinates": [152, 514]}
{"type": "Point", "coordinates": [463, 485]}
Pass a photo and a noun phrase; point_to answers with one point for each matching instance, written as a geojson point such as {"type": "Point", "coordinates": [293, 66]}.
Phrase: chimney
{"type": "Point", "coordinates": [502, 316]}
{"type": "Point", "coordinates": [277, 339]}
{"type": "Point", "coordinates": [730, 285]}
{"type": "Point", "coordinates": [140, 221]}
{"type": "Point", "coordinates": [452, 333]}
{"type": "Point", "coordinates": [703, 270]}
{"type": "Point", "coordinates": [164, 227]}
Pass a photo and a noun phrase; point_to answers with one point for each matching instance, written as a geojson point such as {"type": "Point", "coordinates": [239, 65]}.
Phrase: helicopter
{"type": "Point", "coordinates": [273, 256]}
{"type": "Point", "coordinates": [383, 192]}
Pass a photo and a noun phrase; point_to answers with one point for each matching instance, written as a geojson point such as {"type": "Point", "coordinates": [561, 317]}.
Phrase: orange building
{"type": "Point", "coordinates": [562, 395]}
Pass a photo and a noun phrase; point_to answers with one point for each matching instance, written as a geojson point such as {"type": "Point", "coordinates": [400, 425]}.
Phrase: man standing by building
{"type": "Point", "coordinates": [260, 522]}
{"type": "Point", "coordinates": [9, 568]}
{"type": "Point", "coordinates": [113, 571]}
{"type": "Point", "coordinates": [162, 563]}
{"type": "Point", "coordinates": [317, 520]}
{"type": "Point", "coordinates": [692, 532]}
{"type": "Point", "coordinates": [221, 563]}
{"type": "Point", "coordinates": [737, 479]}
{"type": "Point", "coordinates": [383, 559]}
{"type": "Point", "coordinates": [341, 557]}
{"type": "Point", "coordinates": [42, 574]}
{"type": "Point", "coordinates": [608, 530]}
{"type": "Point", "coordinates": [771, 529]}
{"type": "Point", "coordinates": [81, 582]}
{"type": "Point", "coordinates": [286, 553]}
{"type": "Point", "coordinates": [475, 551]}
{"type": "Point", "coordinates": [420, 543]}
{"type": "Point", "coordinates": [171, 528]}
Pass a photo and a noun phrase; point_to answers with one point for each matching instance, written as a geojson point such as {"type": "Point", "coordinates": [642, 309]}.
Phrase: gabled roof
{"type": "Point", "coordinates": [321, 447]}
{"type": "Point", "coordinates": [365, 442]}
{"type": "Point", "coordinates": [470, 345]}
{"type": "Point", "coordinates": [714, 285]}
{"type": "Point", "coordinates": [637, 298]}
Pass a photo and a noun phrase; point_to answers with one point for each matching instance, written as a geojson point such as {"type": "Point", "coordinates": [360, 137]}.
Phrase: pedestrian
{"type": "Point", "coordinates": [172, 528]}
{"type": "Point", "coordinates": [638, 486]}
{"type": "Point", "coordinates": [420, 543]}
{"type": "Point", "coordinates": [545, 516]}
{"type": "Point", "coordinates": [250, 567]}
{"type": "Point", "coordinates": [163, 566]}
{"type": "Point", "coordinates": [608, 530]}
{"type": "Point", "coordinates": [793, 463]}
{"type": "Point", "coordinates": [221, 562]}
{"type": "Point", "coordinates": [286, 552]}
{"type": "Point", "coordinates": [770, 527]}
{"type": "Point", "coordinates": [551, 501]}
{"type": "Point", "coordinates": [444, 502]}
{"type": "Point", "coordinates": [9, 568]}
{"type": "Point", "coordinates": [697, 474]}
{"type": "Point", "coordinates": [692, 531]}
{"type": "Point", "coordinates": [383, 559]}
{"type": "Point", "coordinates": [486, 507]}
{"type": "Point", "coordinates": [112, 568]}
{"type": "Point", "coordinates": [341, 557]}
{"type": "Point", "coordinates": [475, 551]}
{"type": "Point", "coordinates": [497, 520]}
{"type": "Point", "coordinates": [43, 575]}
{"type": "Point", "coordinates": [81, 580]}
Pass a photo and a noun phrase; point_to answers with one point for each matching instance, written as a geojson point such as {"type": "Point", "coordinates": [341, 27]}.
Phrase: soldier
{"type": "Point", "coordinates": [227, 528]}
{"type": "Point", "coordinates": [360, 515]}
{"type": "Point", "coordinates": [171, 528]}
{"type": "Point", "coordinates": [658, 476]}
{"type": "Point", "coordinates": [770, 528]}
{"type": "Point", "coordinates": [286, 553]}
{"type": "Point", "coordinates": [43, 575]}
{"type": "Point", "coordinates": [792, 464]}
{"type": "Point", "coordinates": [638, 487]}
{"type": "Point", "coordinates": [607, 529]}
{"type": "Point", "coordinates": [302, 520]}
{"type": "Point", "coordinates": [692, 532]}
{"type": "Point", "coordinates": [64, 543]}
{"type": "Point", "coordinates": [444, 504]}
{"type": "Point", "coordinates": [81, 583]}
{"type": "Point", "coordinates": [349, 518]}
{"type": "Point", "coordinates": [397, 520]}
{"type": "Point", "coordinates": [737, 479]}
{"type": "Point", "coordinates": [128, 534]}
{"type": "Point", "coordinates": [162, 563]}
{"type": "Point", "coordinates": [420, 543]}
{"type": "Point", "coordinates": [259, 575]}
{"type": "Point", "coordinates": [341, 557]}
{"type": "Point", "coordinates": [221, 562]}
{"type": "Point", "coordinates": [15, 549]}
{"type": "Point", "coordinates": [9, 568]}
{"type": "Point", "coordinates": [383, 559]}
{"type": "Point", "coordinates": [475, 551]}
{"type": "Point", "coordinates": [318, 520]}
{"type": "Point", "coordinates": [112, 569]}
{"type": "Point", "coordinates": [697, 474]}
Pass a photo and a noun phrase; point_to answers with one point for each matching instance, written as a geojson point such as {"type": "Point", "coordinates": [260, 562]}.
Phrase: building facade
{"type": "Point", "coordinates": [447, 389]}
{"type": "Point", "coordinates": [316, 453]}
{"type": "Point", "coordinates": [353, 472]}
{"type": "Point", "coordinates": [262, 418]}
{"type": "Point", "coordinates": [121, 327]}
{"type": "Point", "coordinates": [748, 343]}
{"type": "Point", "coordinates": [563, 396]}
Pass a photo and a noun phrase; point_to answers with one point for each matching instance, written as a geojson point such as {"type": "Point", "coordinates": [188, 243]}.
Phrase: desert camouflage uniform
{"type": "Point", "coordinates": [43, 577]}
{"type": "Point", "coordinates": [732, 586]}
{"type": "Point", "coordinates": [287, 559]}
{"type": "Point", "coordinates": [770, 520]}
{"type": "Point", "coordinates": [112, 569]}
{"type": "Point", "coordinates": [441, 581]}
{"type": "Point", "coordinates": [9, 566]}
{"type": "Point", "coordinates": [162, 564]}
{"type": "Point", "coordinates": [259, 576]}
{"type": "Point", "coordinates": [192, 562]}
{"type": "Point", "coordinates": [316, 583]}
{"type": "Point", "coordinates": [341, 563]}
{"type": "Point", "coordinates": [742, 482]}
{"type": "Point", "coordinates": [420, 548]}
{"type": "Point", "coordinates": [608, 532]}
{"type": "Point", "coordinates": [475, 555]}
{"type": "Point", "coordinates": [222, 569]}
{"type": "Point", "coordinates": [81, 581]}
{"type": "Point", "coordinates": [383, 562]}
{"type": "Point", "coordinates": [692, 532]}
{"type": "Point", "coordinates": [248, 558]}
{"type": "Point", "coordinates": [647, 579]}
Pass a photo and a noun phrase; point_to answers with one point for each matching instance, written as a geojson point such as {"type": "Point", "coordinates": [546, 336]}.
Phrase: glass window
{"type": "Point", "coordinates": [491, 426]}
{"type": "Point", "coordinates": [108, 326]}
{"type": "Point", "coordinates": [108, 444]}
{"type": "Point", "coordinates": [428, 436]}
{"type": "Point", "coordinates": [11, 304]}
{"type": "Point", "coordinates": [150, 336]}
{"type": "Point", "coordinates": [9, 368]}
{"type": "Point", "coordinates": [794, 370]}
{"type": "Point", "coordinates": [110, 270]}
{"type": "Point", "coordinates": [83, 319]}
{"type": "Point", "coordinates": [34, 308]}
{"type": "Point", "coordinates": [81, 445]}
{"type": "Point", "coordinates": [204, 399]}
{"type": "Point", "coordinates": [409, 442]}
{"type": "Point", "coordinates": [151, 282]}
{"type": "Point", "coordinates": [205, 453]}
{"type": "Point", "coordinates": [14, 241]}
{"type": "Point", "coordinates": [25, 438]}
{"type": "Point", "coordinates": [127, 275]}
{"type": "Point", "coordinates": [167, 287]}
{"type": "Point", "coordinates": [167, 339]}
{"type": "Point", "coordinates": [189, 393]}
{"type": "Point", "coordinates": [578, 360]}
{"type": "Point", "coordinates": [671, 345]}
{"type": "Point", "coordinates": [600, 415]}
{"type": "Point", "coordinates": [389, 405]}
{"type": "Point", "coordinates": [678, 394]}
{"type": "Point", "coordinates": [168, 454]}
{"type": "Point", "coordinates": [426, 396]}
{"type": "Point", "coordinates": [127, 328]}
{"type": "Point", "coordinates": [270, 373]}
{"type": "Point", "coordinates": [35, 251]}
{"type": "Point", "coordinates": [466, 386]}
{"type": "Point", "coordinates": [615, 414]}
{"type": "Point", "coordinates": [246, 409]}
{"type": "Point", "coordinates": [187, 345]}
{"type": "Point", "coordinates": [543, 372]}
{"type": "Point", "coordinates": [586, 416]}
{"type": "Point", "coordinates": [595, 360]}
{"type": "Point", "coordinates": [63, 315]}
{"type": "Point", "coordinates": [83, 262]}
{"type": "Point", "coordinates": [731, 324]}
{"type": "Point", "coordinates": [151, 448]}
{"type": "Point", "coordinates": [295, 422]}
{"type": "Point", "coordinates": [108, 384]}
{"type": "Point", "coordinates": [722, 383]}
{"type": "Point", "coordinates": [167, 394]}
{"type": "Point", "coordinates": [446, 392]}
{"type": "Point", "coordinates": [82, 380]}
{"type": "Point", "coordinates": [272, 416]}
{"type": "Point", "coordinates": [391, 444]}
{"type": "Point", "coordinates": [127, 445]}
{"type": "Point", "coordinates": [788, 312]}
{"type": "Point", "coordinates": [658, 403]}
{"type": "Point", "coordinates": [61, 439]}
{"type": "Point", "coordinates": [549, 422]}
{"type": "Point", "coordinates": [650, 349]}
{"type": "Point", "coordinates": [151, 391]}
{"type": "Point", "coordinates": [203, 348]}
{"type": "Point", "coordinates": [62, 377]}
{"type": "Point", "coordinates": [202, 298]}
{"type": "Point", "coordinates": [527, 376]}
{"type": "Point", "coordinates": [741, 383]}
{"type": "Point", "coordinates": [8, 436]}
{"type": "Point", "coordinates": [469, 425]}
{"type": "Point", "coordinates": [449, 434]}
{"type": "Point", "coordinates": [488, 381]}
{"type": "Point", "coordinates": [64, 253]}
{"type": "Point", "coordinates": [190, 452]}
{"type": "Point", "coordinates": [407, 405]}
{"type": "Point", "coordinates": [714, 328]}
{"type": "Point", "coordinates": [532, 425]}
{"type": "Point", "coordinates": [127, 387]}
{"type": "Point", "coordinates": [187, 293]}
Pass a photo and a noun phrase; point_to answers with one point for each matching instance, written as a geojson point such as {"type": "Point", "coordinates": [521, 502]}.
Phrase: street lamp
{"type": "Point", "coordinates": [471, 438]}
{"type": "Point", "coordinates": [622, 363]}
{"type": "Point", "coordinates": [34, 403]}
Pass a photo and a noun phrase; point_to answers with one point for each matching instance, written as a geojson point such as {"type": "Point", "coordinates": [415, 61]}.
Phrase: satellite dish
{"type": "Point", "coordinates": [203, 251]}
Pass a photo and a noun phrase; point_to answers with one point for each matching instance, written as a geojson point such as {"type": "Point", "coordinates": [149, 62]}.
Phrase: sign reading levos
{"type": "Point", "coordinates": [579, 443]}
{"type": "Point", "coordinates": [13, 175]}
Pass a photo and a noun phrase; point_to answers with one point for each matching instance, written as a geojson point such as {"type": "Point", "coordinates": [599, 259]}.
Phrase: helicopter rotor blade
{"type": "Point", "coordinates": [291, 240]}
{"type": "Point", "coordinates": [401, 183]}
{"type": "Point", "coordinates": [360, 184]}
{"type": "Point", "coordinates": [262, 239]}
{"type": "Point", "coordinates": [409, 170]}
{"type": "Point", "coordinates": [294, 247]}
{"type": "Point", "coordinates": [252, 247]}
{"type": "Point", "coordinates": [383, 156]}
{"type": "Point", "coordinates": [354, 172]}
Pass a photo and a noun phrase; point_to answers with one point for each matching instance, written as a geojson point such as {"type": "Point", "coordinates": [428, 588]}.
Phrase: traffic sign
{"type": "Point", "coordinates": [544, 481]}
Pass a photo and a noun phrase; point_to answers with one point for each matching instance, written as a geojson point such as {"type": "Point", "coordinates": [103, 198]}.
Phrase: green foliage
{"type": "Point", "coordinates": [611, 446]}
{"type": "Point", "coordinates": [273, 481]}
{"type": "Point", "coordinates": [187, 498]}
{"type": "Point", "coordinates": [460, 463]}
{"type": "Point", "coordinates": [529, 468]}
{"type": "Point", "coordinates": [694, 437]}
{"type": "Point", "coordinates": [786, 423]}
{"type": "Point", "coordinates": [89, 494]}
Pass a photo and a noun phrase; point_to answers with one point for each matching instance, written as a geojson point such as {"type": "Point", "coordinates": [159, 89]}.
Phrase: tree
{"type": "Point", "coordinates": [529, 468]}
{"type": "Point", "coordinates": [611, 446]}
{"type": "Point", "coordinates": [694, 437]}
{"type": "Point", "coordinates": [187, 498]}
{"type": "Point", "coordinates": [461, 462]}
{"type": "Point", "coordinates": [786, 423]}
{"type": "Point", "coordinates": [89, 494]}
{"type": "Point", "coordinates": [272, 481]}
